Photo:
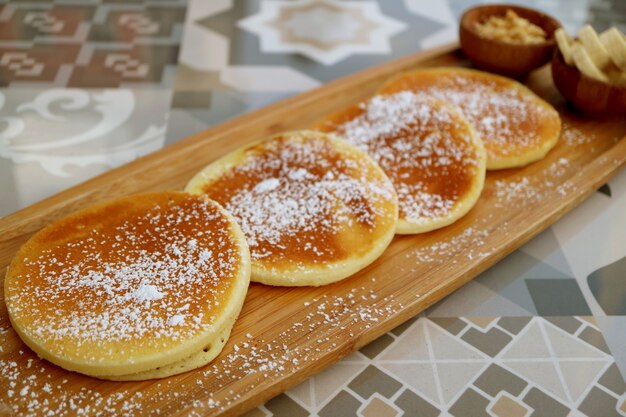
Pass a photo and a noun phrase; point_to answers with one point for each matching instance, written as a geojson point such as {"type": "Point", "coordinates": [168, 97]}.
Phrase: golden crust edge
{"type": "Point", "coordinates": [504, 162]}
{"type": "Point", "coordinates": [194, 361]}
{"type": "Point", "coordinates": [469, 200]}
{"type": "Point", "coordinates": [154, 360]}
{"type": "Point", "coordinates": [328, 274]}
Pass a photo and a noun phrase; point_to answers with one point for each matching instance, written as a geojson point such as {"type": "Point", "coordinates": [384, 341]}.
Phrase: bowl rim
{"type": "Point", "coordinates": [549, 42]}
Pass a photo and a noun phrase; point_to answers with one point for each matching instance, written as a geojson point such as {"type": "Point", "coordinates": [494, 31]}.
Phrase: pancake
{"type": "Point", "coordinates": [130, 285]}
{"type": "Point", "coordinates": [516, 126]}
{"type": "Point", "coordinates": [314, 208]}
{"type": "Point", "coordinates": [194, 361]}
{"type": "Point", "coordinates": [426, 147]}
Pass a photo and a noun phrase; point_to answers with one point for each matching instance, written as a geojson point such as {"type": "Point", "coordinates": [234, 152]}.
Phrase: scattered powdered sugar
{"type": "Point", "coordinates": [558, 168]}
{"type": "Point", "coordinates": [255, 359]}
{"type": "Point", "coordinates": [525, 191]}
{"type": "Point", "coordinates": [501, 116]}
{"type": "Point", "coordinates": [422, 207]}
{"type": "Point", "coordinates": [472, 242]}
{"type": "Point", "coordinates": [156, 276]}
{"type": "Point", "coordinates": [40, 391]}
{"type": "Point", "coordinates": [33, 391]}
{"type": "Point", "coordinates": [296, 194]}
{"type": "Point", "coordinates": [422, 145]}
{"type": "Point", "coordinates": [573, 136]}
{"type": "Point", "coordinates": [326, 323]}
{"type": "Point", "coordinates": [508, 192]}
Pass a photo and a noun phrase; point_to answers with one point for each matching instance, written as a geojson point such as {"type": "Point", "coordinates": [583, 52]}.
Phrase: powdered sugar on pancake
{"type": "Point", "coordinates": [497, 114]}
{"type": "Point", "coordinates": [294, 197]}
{"type": "Point", "coordinates": [508, 119]}
{"type": "Point", "coordinates": [158, 274]}
{"type": "Point", "coordinates": [424, 147]}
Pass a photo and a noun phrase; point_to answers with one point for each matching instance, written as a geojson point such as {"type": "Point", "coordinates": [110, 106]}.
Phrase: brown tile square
{"type": "Point", "coordinates": [112, 67]}
{"type": "Point", "coordinates": [28, 23]}
{"type": "Point", "coordinates": [404, 326]}
{"type": "Point", "coordinates": [490, 342]}
{"type": "Point", "coordinates": [513, 324]}
{"type": "Point", "coordinates": [192, 99]}
{"type": "Point", "coordinates": [414, 405]}
{"type": "Point", "coordinates": [376, 407]}
{"type": "Point", "coordinates": [506, 406]}
{"type": "Point", "coordinates": [283, 406]}
{"type": "Point", "coordinates": [39, 63]}
{"type": "Point", "coordinates": [544, 405]}
{"type": "Point", "coordinates": [451, 324]}
{"type": "Point", "coordinates": [373, 380]}
{"type": "Point", "coordinates": [470, 404]}
{"type": "Point", "coordinates": [496, 379]}
{"type": "Point", "coordinates": [599, 404]}
{"type": "Point", "coordinates": [567, 323]}
{"type": "Point", "coordinates": [480, 322]}
{"type": "Point", "coordinates": [344, 404]}
{"type": "Point", "coordinates": [594, 338]}
{"type": "Point", "coordinates": [613, 380]}
{"type": "Point", "coordinates": [255, 413]}
{"type": "Point", "coordinates": [374, 348]}
{"type": "Point", "coordinates": [127, 25]}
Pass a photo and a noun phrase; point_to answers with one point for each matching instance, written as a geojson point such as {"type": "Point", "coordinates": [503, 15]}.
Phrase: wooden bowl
{"type": "Point", "coordinates": [585, 93]}
{"type": "Point", "coordinates": [503, 57]}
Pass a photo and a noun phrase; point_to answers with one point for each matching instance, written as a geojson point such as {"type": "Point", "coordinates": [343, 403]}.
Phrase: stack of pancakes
{"type": "Point", "coordinates": [150, 285]}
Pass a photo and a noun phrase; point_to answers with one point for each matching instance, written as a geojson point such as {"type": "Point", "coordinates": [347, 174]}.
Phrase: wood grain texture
{"type": "Point", "coordinates": [285, 335]}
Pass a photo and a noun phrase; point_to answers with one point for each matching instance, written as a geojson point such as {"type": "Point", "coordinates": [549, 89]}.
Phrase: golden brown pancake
{"type": "Point", "coordinates": [426, 147]}
{"type": "Point", "coordinates": [314, 208]}
{"type": "Point", "coordinates": [129, 285]}
{"type": "Point", "coordinates": [516, 126]}
{"type": "Point", "coordinates": [194, 361]}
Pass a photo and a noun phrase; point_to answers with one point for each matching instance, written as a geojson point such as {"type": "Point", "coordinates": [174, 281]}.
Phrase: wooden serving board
{"type": "Point", "coordinates": [285, 335]}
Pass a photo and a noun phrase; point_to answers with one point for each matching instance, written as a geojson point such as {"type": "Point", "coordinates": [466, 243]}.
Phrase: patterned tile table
{"type": "Point", "coordinates": [86, 86]}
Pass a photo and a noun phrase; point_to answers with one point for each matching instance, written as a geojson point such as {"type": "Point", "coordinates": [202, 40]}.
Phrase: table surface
{"type": "Point", "coordinates": [87, 86]}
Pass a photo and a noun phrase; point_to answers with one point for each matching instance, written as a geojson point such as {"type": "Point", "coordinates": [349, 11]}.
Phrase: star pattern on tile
{"type": "Point", "coordinates": [324, 31]}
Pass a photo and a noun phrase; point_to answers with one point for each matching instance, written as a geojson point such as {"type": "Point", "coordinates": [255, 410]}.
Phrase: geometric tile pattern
{"type": "Point", "coordinates": [607, 286]}
{"type": "Point", "coordinates": [524, 283]}
{"type": "Point", "coordinates": [431, 367]}
{"type": "Point", "coordinates": [101, 44]}
{"type": "Point", "coordinates": [109, 127]}
{"type": "Point", "coordinates": [605, 189]}
{"type": "Point", "coordinates": [325, 31]}
{"type": "Point", "coordinates": [539, 334]}
{"type": "Point", "coordinates": [87, 87]}
{"type": "Point", "coordinates": [557, 296]}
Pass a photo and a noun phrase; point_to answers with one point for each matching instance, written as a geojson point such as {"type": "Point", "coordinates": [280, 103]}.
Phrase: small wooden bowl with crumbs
{"type": "Point", "coordinates": [506, 39]}
{"type": "Point", "coordinates": [587, 94]}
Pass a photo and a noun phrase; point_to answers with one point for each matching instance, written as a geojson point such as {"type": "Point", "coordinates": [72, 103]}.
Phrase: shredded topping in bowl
{"type": "Point", "coordinates": [511, 28]}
